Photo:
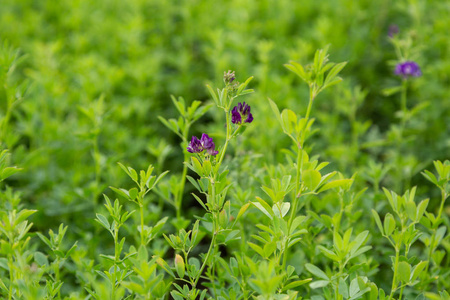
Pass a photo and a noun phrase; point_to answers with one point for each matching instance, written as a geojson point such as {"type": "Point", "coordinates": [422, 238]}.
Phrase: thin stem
{"type": "Point", "coordinates": [394, 279]}
{"type": "Point", "coordinates": [311, 100]}
{"type": "Point", "coordinates": [211, 247]}
{"type": "Point", "coordinates": [141, 209]}
{"type": "Point", "coordinates": [57, 275]}
{"type": "Point", "coordinates": [433, 236]}
{"type": "Point", "coordinates": [116, 237]}
{"type": "Point", "coordinates": [441, 207]}
{"type": "Point", "coordinates": [403, 98]}
{"type": "Point", "coordinates": [97, 166]}
{"type": "Point", "coordinates": [402, 125]}
{"type": "Point", "coordinates": [181, 191]}
{"type": "Point", "coordinates": [298, 176]}
{"type": "Point", "coordinates": [222, 154]}
{"type": "Point", "coordinates": [11, 276]}
{"type": "Point", "coordinates": [179, 196]}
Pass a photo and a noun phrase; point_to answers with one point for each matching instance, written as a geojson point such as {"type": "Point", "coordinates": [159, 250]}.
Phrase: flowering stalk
{"type": "Point", "coordinates": [207, 165]}
{"type": "Point", "coordinates": [405, 70]}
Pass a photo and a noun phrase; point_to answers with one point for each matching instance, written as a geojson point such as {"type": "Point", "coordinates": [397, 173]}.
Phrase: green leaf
{"type": "Point", "coordinates": [103, 221]}
{"type": "Point", "coordinates": [44, 239]}
{"type": "Point", "coordinates": [311, 178]}
{"type": "Point", "coordinates": [295, 284]}
{"type": "Point", "coordinates": [378, 221]}
{"type": "Point", "coordinates": [359, 240]}
{"type": "Point", "coordinates": [404, 271]}
{"type": "Point", "coordinates": [40, 259]}
{"type": "Point", "coordinates": [328, 253]}
{"type": "Point", "coordinates": [411, 210]}
{"type": "Point", "coordinates": [23, 215]}
{"type": "Point", "coordinates": [162, 263]}
{"type": "Point", "coordinates": [242, 210]}
{"type": "Point", "coordinates": [389, 224]}
{"type": "Point", "coordinates": [269, 249]}
{"type": "Point", "coordinates": [319, 284]}
{"type": "Point", "coordinates": [281, 209]}
{"type": "Point", "coordinates": [244, 85]}
{"type": "Point", "coordinates": [264, 207]}
{"type": "Point", "coordinates": [430, 176]}
{"type": "Point", "coordinates": [213, 94]}
{"type": "Point", "coordinates": [418, 270]}
{"type": "Point", "coordinates": [121, 192]}
{"type": "Point", "coordinates": [333, 73]}
{"type": "Point", "coordinates": [197, 167]}
{"type": "Point", "coordinates": [133, 193]}
{"type": "Point", "coordinates": [343, 288]}
{"type": "Point", "coordinates": [257, 248]}
{"type": "Point", "coordinates": [335, 183]}
{"type": "Point", "coordinates": [9, 171]}
{"type": "Point", "coordinates": [354, 287]}
{"type": "Point", "coordinates": [421, 209]}
{"type": "Point", "coordinates": [316, 271]}
{"type": "Point", "coordinates": [391, 90]}
{"type": "Point", "coordinates": [276, 112]}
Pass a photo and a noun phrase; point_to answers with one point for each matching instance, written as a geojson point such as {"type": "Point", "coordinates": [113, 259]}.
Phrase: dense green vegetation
{"type": "Point", "coordinates": [335, 190]}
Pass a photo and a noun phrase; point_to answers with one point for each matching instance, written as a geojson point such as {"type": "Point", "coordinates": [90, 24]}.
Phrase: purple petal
{"type": "Point", "coordinates": [249, 118]}
{"type": "Point", "coordinates": [235, 116]}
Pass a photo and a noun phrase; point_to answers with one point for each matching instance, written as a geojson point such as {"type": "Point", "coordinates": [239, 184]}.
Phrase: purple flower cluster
{"type": "Point", "coordinates": [229, 77]}
{"type": "Point", "coordinates": [408, 69]}
{"type": "Point", "coordinates": [241, 112]}
{"type": "Point", "coordinates": [393, 30]}
{"type": "Point", "coordinates": [204, 143]}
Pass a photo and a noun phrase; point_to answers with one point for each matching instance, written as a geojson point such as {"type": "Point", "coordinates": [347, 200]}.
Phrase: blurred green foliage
{"type": "Point", "coordinates": [82, 84]}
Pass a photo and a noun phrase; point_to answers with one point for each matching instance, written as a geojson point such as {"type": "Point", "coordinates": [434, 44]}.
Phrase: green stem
{"type": "Point", "coordinates": [181, 191]}
{"type": "Point", "coordinates": [208, 254]}
{"type": "Point", "coordinates": [402, 127]}
{"type": "Point", "coordinates": [311, 100]}
{"type": "Point", "coordinates": [441, 207]}
{"type": "Point", "coordinates": [179, 197]}
{"type": "Point", "coordinates": [401, 293]}
{"type": "Point", "coordinates": [433, 236]}
{"type": "Point", "coordinates": [57, 275]}
{"type": "Point", "coordinates": [394, 279]}
{"type": "Point", "coordinates": [11, 276]}
{"type": "Point", "coordinates": [298, 176]}
{"type": "Point", "coordinates": [294, 201]}
{"type": "Point", "coordinates": [116, 258]}
{"type": "Point", "coordinates": [403, 100]}
{"type": "Point", "coordinates": [222, 154]}
{"type": "Point", "coordinates": [141, 209]}
{"type": "Point", "coordinates": [5, 124]}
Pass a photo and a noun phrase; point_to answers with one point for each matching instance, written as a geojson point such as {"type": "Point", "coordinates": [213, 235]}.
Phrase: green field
{"type": "Point", "coordinates": [334, 188]}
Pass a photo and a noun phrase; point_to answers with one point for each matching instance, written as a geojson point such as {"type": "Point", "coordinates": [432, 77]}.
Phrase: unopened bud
{"type": "Point", "coordinates": [179, 265]}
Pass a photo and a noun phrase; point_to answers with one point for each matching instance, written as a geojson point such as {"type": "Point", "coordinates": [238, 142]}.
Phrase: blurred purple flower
{"type": "Point", "coordinates": [393, 30]}
{"type": "Point", "coordinates": [204, 143]}
{"type": "Point", "coordinates": [239, 112]}
{"type": "Point", "coordinates": [408, 69]}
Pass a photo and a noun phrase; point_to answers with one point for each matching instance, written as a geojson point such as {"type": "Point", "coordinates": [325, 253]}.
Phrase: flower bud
{"type": "Point", "coordinates": [179, 265]}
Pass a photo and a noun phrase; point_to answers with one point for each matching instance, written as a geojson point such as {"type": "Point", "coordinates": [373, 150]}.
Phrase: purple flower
{"type": "Point", "coordinates": [208, 144]}
{"type": "Point", "coordinates": [241, 112]}
{"type": "Point", "coordinates": [393, 30]}
{"type": "Point", "coordinates": [407, 69]}
{"type": "Point", "coordinates": [199, 145]}
{"type": "Point", "coordinates": [195, 146]}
